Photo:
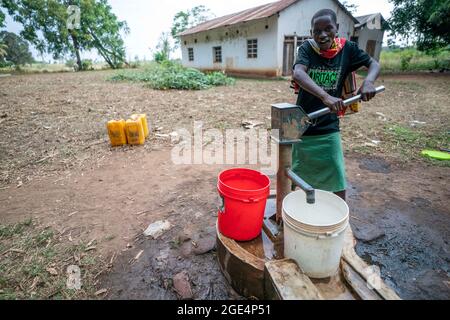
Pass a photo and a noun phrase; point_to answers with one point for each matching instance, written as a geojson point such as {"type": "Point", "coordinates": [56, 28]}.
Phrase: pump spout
{"type": "Point", "coordinates": [310, 192]}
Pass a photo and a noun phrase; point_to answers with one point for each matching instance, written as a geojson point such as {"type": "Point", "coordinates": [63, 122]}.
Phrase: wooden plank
{"type": "Point", "coordinates": [335, 288]}
{"type": "Point", "coordinates": [243, 270]}
{"type": "Point", "coordinates": [359, 266]}
{"type": "Point", "coordinates": [358, 284]}
{"type": "Point", "coordinates": [283, 280]}
{"type": "Point", "coordinates": [283, 182]}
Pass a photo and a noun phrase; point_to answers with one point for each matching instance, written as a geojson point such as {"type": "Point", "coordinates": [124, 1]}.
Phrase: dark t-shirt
{"type": "Point", "coordinates": [330, 75]}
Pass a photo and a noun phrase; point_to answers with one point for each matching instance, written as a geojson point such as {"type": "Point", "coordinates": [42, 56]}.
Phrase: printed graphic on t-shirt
{"type": "Point", "coordinates": [327, 79]}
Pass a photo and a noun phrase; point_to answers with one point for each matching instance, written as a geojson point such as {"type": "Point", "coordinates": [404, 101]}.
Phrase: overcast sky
{"type": "Point", "coordinates": [147, 19]}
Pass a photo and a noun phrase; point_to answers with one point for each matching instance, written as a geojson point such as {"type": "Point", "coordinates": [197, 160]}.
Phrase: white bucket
{"type": "Point", "coordinates": [314, 233]}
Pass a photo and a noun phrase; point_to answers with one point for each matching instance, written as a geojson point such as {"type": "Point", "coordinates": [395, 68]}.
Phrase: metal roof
{"type": "Point", "coordinates": [260, 12]}
{"type": "Point", "coordinates": [255, 13]}
{"type": "Point", "coordinates": [363, 20]}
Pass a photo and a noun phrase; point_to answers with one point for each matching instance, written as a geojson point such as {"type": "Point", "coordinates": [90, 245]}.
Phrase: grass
{"type": "Point", "coordinates": [401, 60]}
{"type": "Point", "coordinates": [46, 68]}
{"type": "Point", "coordinates": [410, 116]}
{"type": "Point", "coordinates": [170, 75]}
{"type": "Point", "coordinates": [34, 262]}
{"type": "Point", "coordinates": [408, 143]}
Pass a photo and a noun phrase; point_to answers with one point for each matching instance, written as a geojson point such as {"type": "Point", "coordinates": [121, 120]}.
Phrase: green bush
{"type": "Point", "coordinates": [169, 75]}
{"type": "Point", "coordinates": [160, 57]}
{"type": "Point", "coordinates": [405, 59]}
{"type": "Point", "coordinates": [87, 64]}
{"type": "Point", "coordinates": [70, 63]}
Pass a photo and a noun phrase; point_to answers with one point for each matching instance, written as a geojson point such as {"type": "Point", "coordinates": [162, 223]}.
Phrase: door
{"type": "Point", "coordinates": [288, 56]}
{"type": "Point", "coordinates": [291, 45]}
{"type": "Point", "coordinates": [370, 47]}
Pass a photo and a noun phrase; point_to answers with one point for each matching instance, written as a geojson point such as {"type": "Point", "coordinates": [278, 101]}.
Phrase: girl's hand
{"type": "Point", "coordinates": [367, 91]}
{"type": "Point", "coordinates": [335, 104]}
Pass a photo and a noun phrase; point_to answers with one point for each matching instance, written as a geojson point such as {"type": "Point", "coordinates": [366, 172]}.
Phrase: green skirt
{"type": "Point", "coordinates": [319, 160]}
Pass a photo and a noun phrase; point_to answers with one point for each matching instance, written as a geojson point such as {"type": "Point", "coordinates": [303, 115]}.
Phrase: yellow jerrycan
{"type": "Point", "coordinates": [135, 132]}
{"type": "Point", "coordinates": [143, 118]}
{"type": "Point", "coordinates": [116, 132]}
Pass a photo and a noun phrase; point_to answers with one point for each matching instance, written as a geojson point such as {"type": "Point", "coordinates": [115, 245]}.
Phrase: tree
{"type": "Point", "coordinates": [46, 25]}
{"type": "Point", "coordinates": [425, 20]}
{"type": "Point", "coordinates": [2, 19]}
{"type": "Point", "coordinates": [163, 48]}
{"type": "Point", "coordinates": [350, 7]}
{"type": "Point", "coordinates": [16, 49]}
{"type": "Point", "coordinates": [184, 20]}
{"type": "Point", "coordinates": [3, 52]}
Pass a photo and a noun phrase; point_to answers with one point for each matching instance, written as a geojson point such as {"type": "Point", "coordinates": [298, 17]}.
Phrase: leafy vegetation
{"type": "Point", "coordinates": [170, 75]}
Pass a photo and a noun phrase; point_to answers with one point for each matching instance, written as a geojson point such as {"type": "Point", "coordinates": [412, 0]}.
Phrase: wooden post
{"type": "Point", "coordinates": [283, 182]}
{"type": "Point", "coordinates": [295, 46]}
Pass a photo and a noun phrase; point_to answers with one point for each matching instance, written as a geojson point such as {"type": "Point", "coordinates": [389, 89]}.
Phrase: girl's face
{"type": "Point", "coordinates": [324, 31]}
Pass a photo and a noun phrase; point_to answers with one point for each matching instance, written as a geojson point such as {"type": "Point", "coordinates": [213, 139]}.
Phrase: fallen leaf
{"type": "Point", "coordinates": [52, 271]}
{"type": "Point", "coordinates": [138, 255]}
{"type": "Point", "coordinates": [71, 214]}
{"type": "Point", "coordinates": [101, 291]}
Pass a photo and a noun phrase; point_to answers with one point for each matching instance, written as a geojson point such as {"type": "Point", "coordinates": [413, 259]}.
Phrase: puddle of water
{"type": "Point", "coordinates": [263, 247]}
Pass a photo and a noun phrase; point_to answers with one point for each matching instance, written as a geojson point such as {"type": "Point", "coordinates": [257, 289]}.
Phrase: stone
{"type": "Point", "coordinates": [182, 285]}
{"type": "Point", "coordinates": [205, 245]}
{"type": "Point", "coordinates": [186, 249]}
{"type": "Point", "coordinates": [368, 233]}
{"type": "Point", "coordinates": [157, 228]}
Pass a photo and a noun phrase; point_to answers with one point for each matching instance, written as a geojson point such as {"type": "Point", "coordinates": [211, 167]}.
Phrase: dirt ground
{"type": "Point", "coordinates": [56, 167]}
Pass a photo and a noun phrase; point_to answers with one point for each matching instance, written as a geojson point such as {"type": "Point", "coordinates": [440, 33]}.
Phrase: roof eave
{"type": "Point", "coordinates": [224, 26]}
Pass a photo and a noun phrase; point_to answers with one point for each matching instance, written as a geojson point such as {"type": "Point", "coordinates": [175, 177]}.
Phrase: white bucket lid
{"type": "Point", "coordinates": [328, 214]}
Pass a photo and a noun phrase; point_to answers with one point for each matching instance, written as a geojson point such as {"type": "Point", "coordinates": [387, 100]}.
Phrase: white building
{"type": "Point", "coordinates": [369, 33]}
{"type": "Point", "coordinates": [259, 41]}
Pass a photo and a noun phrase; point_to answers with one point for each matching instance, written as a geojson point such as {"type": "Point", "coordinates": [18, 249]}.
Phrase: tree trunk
{"type": "Point", "coordinates": [77, 50]}
{"type": "Point", "coordinates": [105, 52]}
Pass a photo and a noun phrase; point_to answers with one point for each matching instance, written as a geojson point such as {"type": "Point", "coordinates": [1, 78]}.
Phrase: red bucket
{"type": "Point", "coordinates": [244, 193]}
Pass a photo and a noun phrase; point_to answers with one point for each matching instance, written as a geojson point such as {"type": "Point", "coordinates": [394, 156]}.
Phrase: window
{"type": "Point", "coordinates": [217, 54]}
{"type": "Point", "coordinates": [191, 54]}
{"type": "Point", "coordinates": [252, 49]}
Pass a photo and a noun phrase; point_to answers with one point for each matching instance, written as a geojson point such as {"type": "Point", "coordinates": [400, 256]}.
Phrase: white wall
{"type": "Point", "coordinates": [234, 47]}
{"type": "Point", "coordinates": [366, 34]}
{"type": "Point", "coordinates": [297, 18]}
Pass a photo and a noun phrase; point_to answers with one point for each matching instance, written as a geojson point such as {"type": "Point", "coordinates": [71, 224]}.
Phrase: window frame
{"type": "Point", "coordinates": [191, 54]}
{"type": "Point", "coordinates": [252, 48]}
{"type": "Point", "coordinates": [217, 54]}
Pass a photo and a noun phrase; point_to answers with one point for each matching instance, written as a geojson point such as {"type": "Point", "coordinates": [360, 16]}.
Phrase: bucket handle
{"type": "Point", "coordinates": [250, 200]}
{"type": "Point", "coordinates": [328, 235]}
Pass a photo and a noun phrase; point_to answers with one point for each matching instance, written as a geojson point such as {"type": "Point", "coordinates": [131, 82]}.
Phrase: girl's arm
{"type": "Point", "coordinates": [306, 83]}
{"type": "Point", "coordinates": [367, 89]}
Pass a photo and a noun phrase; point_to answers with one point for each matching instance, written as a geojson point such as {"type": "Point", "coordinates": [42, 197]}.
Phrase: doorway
{"type": "Point", "coordinates": [290, 47]}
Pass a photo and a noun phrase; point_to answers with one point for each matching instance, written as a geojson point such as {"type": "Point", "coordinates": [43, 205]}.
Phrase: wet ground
{"type": "Point", "coordinates": [409, 233]}
{"type": "Point", "coordinates": [400, 231]}
{"type": "Point", "coordinates": [57, 168]}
